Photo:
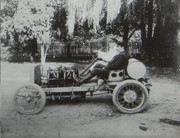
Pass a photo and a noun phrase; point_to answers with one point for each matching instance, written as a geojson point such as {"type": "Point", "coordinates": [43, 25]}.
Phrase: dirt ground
{"type": "Point", "coordinates": [94, 116]}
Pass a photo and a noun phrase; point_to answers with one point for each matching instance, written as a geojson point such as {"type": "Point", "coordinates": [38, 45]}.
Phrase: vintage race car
{"type": "Point", "coordinates": [128, 86]}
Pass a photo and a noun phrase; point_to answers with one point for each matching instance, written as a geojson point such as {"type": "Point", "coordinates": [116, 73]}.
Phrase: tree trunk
{"type": "Point", "coordinates": [157, 37]}
{"type": "Point", "coordinates": [125, 36]}
{"type": "Point", "coordinates": [142, 26]}
{"type": "Point", "coordinates": [149, 45]}
{"type": "Point", "coordinates": [150, 18]}
{"type": "Point", "coordinates": [178, 37]}
{"type": "Point", "coordinates": [43, 57]}
{"type": "Point", "coordinates": [143, 34]}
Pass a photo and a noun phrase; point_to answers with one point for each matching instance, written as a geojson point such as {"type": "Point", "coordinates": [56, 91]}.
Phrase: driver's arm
{"type": "Point", "coordinates": [104, 56]}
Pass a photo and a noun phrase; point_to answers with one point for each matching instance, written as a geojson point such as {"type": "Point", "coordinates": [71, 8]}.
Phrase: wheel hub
{"type": "Point", "coordinates": [130, 96]}
{"type": "Point", "coordinates": [28, 99]}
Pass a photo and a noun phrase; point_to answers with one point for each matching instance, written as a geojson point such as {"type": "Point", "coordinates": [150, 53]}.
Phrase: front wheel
{"type": "Point", "coordinates": [29, 99]}
{"type": "Point", "coordinates": [130, 96]}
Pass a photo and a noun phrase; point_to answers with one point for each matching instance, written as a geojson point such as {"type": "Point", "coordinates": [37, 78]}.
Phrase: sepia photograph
{"type": "Point", "coordinates": [90, 69]}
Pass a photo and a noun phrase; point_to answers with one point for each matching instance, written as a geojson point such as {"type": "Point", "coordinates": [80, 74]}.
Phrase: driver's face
{"type": "Point", "coordinates": [120, 49]}
{"type": "Point", "coordinates": [112, 44]}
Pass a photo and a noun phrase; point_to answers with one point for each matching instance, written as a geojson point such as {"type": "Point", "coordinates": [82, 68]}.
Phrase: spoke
{"type": "Point", "coordinates": [38, 106]}
{"type": "Point", "coordinates": [137, 102]}
{"type": "Point", "coordinates": [134, 104]}
{"type": "Point", "coordinates": [31, 106]}
{"type": "Point", "coordinates": [36, 96]}
{"type": "Point", "coordinates": [25, 107]}
{"type": "Point", "coordinates": [122, 92]}
{"type": "Point", "coordinates": [124, 89]}
{"type": "Point", "coordinates": [128, 105]}
{"type": "Point", "coordinates": [128, 87]}
{"type": "Point", "coordinates": [139, 93]}
{"type": "Point", "coordinates": [136, 88]}
{"type": "Point", "coordinates": [122, 103]}
{"type": "Point", "coordinates": [120, 95]}
{"type": "Point", "coordinates": [36, 93]}
{"type": "Point", "coordinates": [21, 102]}
{"type": "Point", "coordinates": [139, 99]}
{"type": "Point", "coordinates": [37, 102]}
{"type": "Point", "coordinates": [120, 99]}
{"type": "Point", "coordinates": [22, 96]}
{"type": "Point", "coordinates": [131, 105]}
{"type": "Point", "coordinates": [131, 87]}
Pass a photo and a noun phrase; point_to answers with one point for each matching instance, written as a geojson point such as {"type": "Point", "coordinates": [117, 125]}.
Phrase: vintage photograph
{"type": "Point", "coordinates": [90, 69]}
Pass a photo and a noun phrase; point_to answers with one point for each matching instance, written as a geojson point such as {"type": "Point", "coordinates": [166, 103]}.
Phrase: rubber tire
{"type": "Point", "coordinates": [43, 102]}
{"type": "Point", "coordinates": [119, 86]}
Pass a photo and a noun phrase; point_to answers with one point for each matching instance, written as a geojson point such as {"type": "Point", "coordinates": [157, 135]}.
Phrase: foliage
{"type": "Point", "coordinates": [27, 23]}
{"type": "Point", "coordinates": [125, 24]}
{"type": "Point", "coordinates": [92, 12]}
{"type": "Point", "coordinates": [32, 20]}
{"type": "Point", "coordinates": [160, 30]}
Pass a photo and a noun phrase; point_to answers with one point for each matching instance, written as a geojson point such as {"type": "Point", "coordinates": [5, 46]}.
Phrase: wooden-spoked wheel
{"type": "Point", "coordinates": [29, 99]}
{"type": "Point", "coordinates": [130, 96]}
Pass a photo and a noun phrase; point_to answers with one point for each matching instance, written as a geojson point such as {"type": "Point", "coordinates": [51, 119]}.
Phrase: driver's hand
{"type": "Point", "coordinates": [96, 51]}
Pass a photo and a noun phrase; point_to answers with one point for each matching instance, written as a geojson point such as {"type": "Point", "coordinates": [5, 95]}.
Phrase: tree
{"type": "Point", "coordinates": [32, 20]}
{"type": "Point", "coordinates": [125, 24]}
{"type": "Point", "coordinates": [157, 21]}
{"type": "Point", "coordinates": [92, 12]}
{"type": "Point", "coordinates": [165, 33]}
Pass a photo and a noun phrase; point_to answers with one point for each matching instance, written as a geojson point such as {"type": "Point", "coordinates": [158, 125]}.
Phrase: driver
{"type": "Point", "coordinates": [116, 63]}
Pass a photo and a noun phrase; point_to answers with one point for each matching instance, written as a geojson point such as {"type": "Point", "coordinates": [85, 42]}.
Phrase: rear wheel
{"type": "Point", "coordinates": [29, 99]}
{"type": "Point", "coordinates": [130, 96]}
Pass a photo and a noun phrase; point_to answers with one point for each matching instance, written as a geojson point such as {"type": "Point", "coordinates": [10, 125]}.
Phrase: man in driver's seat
{"type": "Point", "coordinates": [119, 61]}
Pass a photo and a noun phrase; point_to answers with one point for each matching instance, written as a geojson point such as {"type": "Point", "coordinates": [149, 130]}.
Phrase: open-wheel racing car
{"type": "Point", "coordinates": [128, 86]}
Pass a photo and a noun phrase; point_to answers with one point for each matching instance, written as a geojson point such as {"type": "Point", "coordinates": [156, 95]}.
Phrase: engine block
{"type": "Point", "coordinates": [62, 77]}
